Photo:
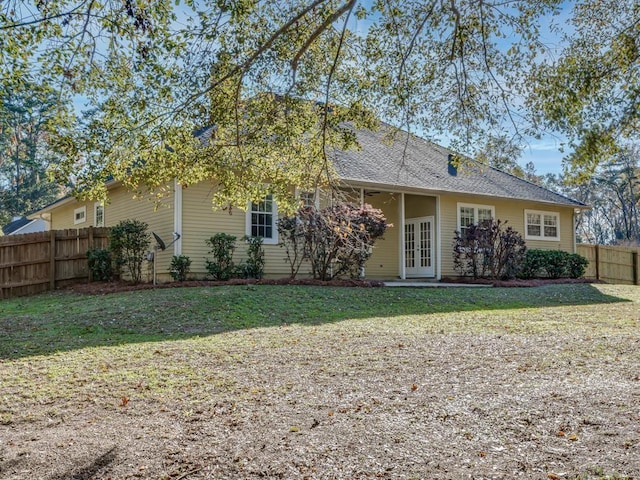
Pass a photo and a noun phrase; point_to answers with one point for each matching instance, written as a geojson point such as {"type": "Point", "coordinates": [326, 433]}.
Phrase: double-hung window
{"type": "Point", "coordinates": [308, 198]}
{"type": "Point", "coordinates": [98, 214]}
{"type": "Point", "coordinates": [471, 214]}
{"type": "Point", "coordinates": [80, 215]}
{"type": "Point", "coordinates": [541, 225]}
{"type": "Point", "coordinates": [261, 220]}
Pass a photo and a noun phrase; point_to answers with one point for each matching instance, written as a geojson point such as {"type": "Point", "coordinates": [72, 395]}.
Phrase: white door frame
{"type": "Point", "coordinates": [419, 248]}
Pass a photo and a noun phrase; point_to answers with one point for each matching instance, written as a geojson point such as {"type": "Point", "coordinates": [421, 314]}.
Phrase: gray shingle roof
{"type": "Point", "coordinates": [14, 225]}
{"type": "Point", "coordinates": [412, 162]}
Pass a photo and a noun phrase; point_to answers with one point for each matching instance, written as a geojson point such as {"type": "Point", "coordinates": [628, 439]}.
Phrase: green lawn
{"type": "Point", "coordinates": [322, 382]}
{"type": "Point", "coordinates": [64, 321]}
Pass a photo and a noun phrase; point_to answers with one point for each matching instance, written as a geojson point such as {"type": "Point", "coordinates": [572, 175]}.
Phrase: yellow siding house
{"type": "Point", "coordinates": [413, 181]}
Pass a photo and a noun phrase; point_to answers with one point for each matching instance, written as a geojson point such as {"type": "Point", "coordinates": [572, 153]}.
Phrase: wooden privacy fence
{"type": "Point", "coordinates": [612, 264]}
{"type": "Point", "coordinates": [37, 262]}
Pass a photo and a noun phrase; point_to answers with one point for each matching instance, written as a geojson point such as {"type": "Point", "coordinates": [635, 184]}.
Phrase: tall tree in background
{"type": "Point", "coordinates": [613, 193]}
{"type": "Point", "coordinates": [620, 185]}
{"type": "Point", "coordinates": [590, 92]}
{"type": "Point", "coordinates": [157, 71]}
{"type": "Point", "coordinates": [27, 116]}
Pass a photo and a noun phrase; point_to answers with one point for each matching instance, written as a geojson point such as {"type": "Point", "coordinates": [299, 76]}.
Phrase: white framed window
{"type": "Point", "coordinates": [540, 225]}
{"type": "Point", "coordinates": [261, 220]}
{"type": "Point", "coordinates": [80, 215]}
{"type": "Point", "coordinates": [472, 214]}
{"type": "Point", "coordinates": [308, 198]}
{"type": "Point", "coordinates": [98, 214]}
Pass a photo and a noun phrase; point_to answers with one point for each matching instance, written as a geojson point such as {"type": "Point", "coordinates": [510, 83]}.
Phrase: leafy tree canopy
{"type": "Point", "coordinates": [29, 115]}
{"type": "Point", "coordinates": [278, 81]}
{"type": "Point", "coordinates": [591, 90]}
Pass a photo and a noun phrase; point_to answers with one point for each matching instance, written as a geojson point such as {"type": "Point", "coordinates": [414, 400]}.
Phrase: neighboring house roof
{"type": "Point", "coordinates": [411, 162]}
{"type": "Point", "coordinates": [23, 225]}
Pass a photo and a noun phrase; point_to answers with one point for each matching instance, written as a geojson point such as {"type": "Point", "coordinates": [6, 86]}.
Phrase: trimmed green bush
{"type": "Point", "coordinates": [128, 243]}
{"type": "Point", "coordinates": [576, 265]}
{"type": "Point", "coordinates": [555, 263]}
{"type": "Point", "coordinates": [222, 248]}
{"type": "Point", "coordinates": [532, 264]}
{"type": "Point", "coordinates": [254, 266]}
{"type": "Point", "coordinates": [552, 264]}
{"type": "Point", "coordinates": [99, 261]}
{"type": "Point", "coordinates": [180, 265]}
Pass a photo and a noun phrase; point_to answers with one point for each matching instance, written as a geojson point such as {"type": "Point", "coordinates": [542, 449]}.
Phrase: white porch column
{"type": "Point", "coordinates": [438, 248]}
{"type": "Point", "coordinates": [177, 216]}
{"type": "Point", "coordinates": [403, 263]}
{"type": "Point", "coordinates": [362, 197]}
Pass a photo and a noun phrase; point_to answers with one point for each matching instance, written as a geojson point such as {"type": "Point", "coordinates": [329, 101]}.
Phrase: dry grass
{"type": "Point", "coordinates": [439, 390]}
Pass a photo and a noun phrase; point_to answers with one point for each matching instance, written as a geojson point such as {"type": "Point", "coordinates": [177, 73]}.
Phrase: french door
{"type": "Point", "coordinates": [419, 247]}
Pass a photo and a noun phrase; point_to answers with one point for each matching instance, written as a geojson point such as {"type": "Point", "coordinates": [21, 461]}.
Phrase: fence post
{"type": "Point", "coordinates": [597, 262]}
{"type": "Point", "coordinates": [52, 260]}
{"type": "Point", "coordinates": [90, 242]}
{"type": "Point", "coordinates": [634, 261]}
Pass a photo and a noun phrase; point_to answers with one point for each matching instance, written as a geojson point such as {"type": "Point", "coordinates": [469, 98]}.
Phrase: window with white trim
{"type": "Point", "coordinates": [98, 214]}
{"type": "Point", "coordinates": [308, 198]}
{"type": "Point", "coordinates": [79, 215]}
{"type": "Point", "coordinates": [540, 225]}
{"type": "Point", "coordinates": [471, 214]}
{"type": "Point", "coordinates": [261, 220]}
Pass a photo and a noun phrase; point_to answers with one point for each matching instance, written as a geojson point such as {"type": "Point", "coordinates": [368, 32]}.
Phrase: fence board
{"type": "Point", "coordinates": [36, 262]}
{"type": "Point", "coordinates": [611, 263]}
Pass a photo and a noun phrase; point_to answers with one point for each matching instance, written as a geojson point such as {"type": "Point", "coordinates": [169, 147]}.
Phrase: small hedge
{"type": "Point", "coordinates": [180, 266]}
{"type": "Point", "coordinates": [552, 264]}
{"type": "Point", "coordinates": [100, 264]}
{"type": "Point", "coordinates": [222, 267]}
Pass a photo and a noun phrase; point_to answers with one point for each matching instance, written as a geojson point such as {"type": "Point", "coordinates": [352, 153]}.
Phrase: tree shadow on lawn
{"type": "Point", "coordinates": [90, 470]}
{"type": "Point", "coordinates": [63, 321]}
{"type": "Point", "coordinates": [84, 472]}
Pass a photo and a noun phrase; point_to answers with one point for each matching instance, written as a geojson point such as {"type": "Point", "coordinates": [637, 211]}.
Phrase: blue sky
{"type": "Point", "coordinates": [545, 155]}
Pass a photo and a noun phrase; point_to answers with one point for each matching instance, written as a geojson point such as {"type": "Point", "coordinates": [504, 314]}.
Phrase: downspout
{"type": "Point", "coordinates": [438, 241]}
{"type": "Point", "coordinates": [177, 216]}
{"type": "Point", "coordinates": [575, 246]}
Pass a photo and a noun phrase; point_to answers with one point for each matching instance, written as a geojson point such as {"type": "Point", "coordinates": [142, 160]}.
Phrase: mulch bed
{"type": "Point", "coordinates": [104, 288]}
{"type": "Point", "coordinates": [517, 282]}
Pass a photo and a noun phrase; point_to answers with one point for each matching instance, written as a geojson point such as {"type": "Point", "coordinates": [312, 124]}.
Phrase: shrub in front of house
{"type": "Point", "coordinates": [490, 249]}
{"type": "Point", "coordinates": [552, 264]}
{"type": "Point", "coordinates": [179, 268]}
{"type": "Point", "coordinates": [335, 240]}
{"type": "Point", "coordinates": [222, 267]}
{"type": "Point", "coordinates": [100, 264]}
{"type": "Point", "coordinates": [222, 247]}
{"type": "Point", "coordinates": [253, 267]}
{"type": "Point", "coordinates": [576, 265]}
{"type": "Point", "coordinates": [128, 244]}
{"type": "Point", "coordinates": [532, 264]}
